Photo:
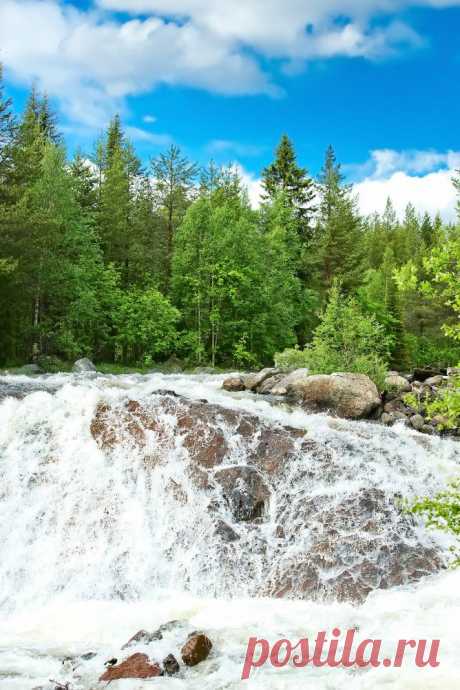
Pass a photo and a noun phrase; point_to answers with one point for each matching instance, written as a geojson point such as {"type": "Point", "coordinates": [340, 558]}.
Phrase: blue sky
{"type": "Point", "coordinates": [379, 79]}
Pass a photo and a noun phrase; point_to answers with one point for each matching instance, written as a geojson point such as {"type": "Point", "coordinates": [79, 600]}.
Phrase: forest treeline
{"type": "Point", "coordinates": [104, 256]}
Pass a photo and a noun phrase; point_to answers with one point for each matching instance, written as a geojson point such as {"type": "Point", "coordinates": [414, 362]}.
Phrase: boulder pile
{"type": "Point", "coordinates": [355, 396]}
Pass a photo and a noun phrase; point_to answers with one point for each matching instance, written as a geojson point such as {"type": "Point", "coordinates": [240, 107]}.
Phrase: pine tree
{"type": "Point", "coordinates": [456, 183]}
{"type": "Point", "coordinates": [339, 229]}
{"type": "Point", "coordinates": [119, 174]}
{"type": "Point", "coordinates": [85, 182]}
{"type": "Point", "coordinates": [48, 120]}
{"type": "Point", "coordinates": [285, 177]}
{"type": "Point", "coordinates": [7, 129]}
{"type": "Point", "coordinates": [6, 118]}
{"type": "Point", "coordinates": [174, 177]}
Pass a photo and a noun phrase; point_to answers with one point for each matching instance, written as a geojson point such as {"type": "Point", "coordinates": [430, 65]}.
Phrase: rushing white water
{"type": "Point", "coordinates": [95, 546]}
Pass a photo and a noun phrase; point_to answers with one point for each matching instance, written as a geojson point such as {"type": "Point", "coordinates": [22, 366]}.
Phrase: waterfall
{"type": "Point", "coordinates": [126, 501]}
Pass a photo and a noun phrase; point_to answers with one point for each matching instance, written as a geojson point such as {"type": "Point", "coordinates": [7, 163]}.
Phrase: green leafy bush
{"type": "Point", "coordinates": [447, 405]}
{"type": "Point", "coordinates": [442, 512]}
{"type": "Point", "coordinates": [292, 358]}
{"type": "Point", "coordinates": [145, 322]}
{"type": "Point", "coordinates": [346, 339]}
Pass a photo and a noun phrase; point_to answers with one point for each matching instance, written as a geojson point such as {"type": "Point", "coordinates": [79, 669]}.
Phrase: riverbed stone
{"type": "Point", "coordinates": [135, 666]}
{"type": "Point", "coordinates": [398, 382]}
{"type": "Point", "coordinates": [83, 366]}
{"type": "Point", "coordinates": [352, 396]}
{"type": "Point", "coordinates": [417, 422]}
{"type": "Point", "coordinates": [234, 384]}
{"type": "Point", "coordinates": [196, 649]}
{"type": "Point", "coordinates": [251, 381]}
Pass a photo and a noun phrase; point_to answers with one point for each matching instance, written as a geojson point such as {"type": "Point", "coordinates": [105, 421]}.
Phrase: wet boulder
{"type": "Point", "coordinates": [196, 649]}
{"type": "Point", "coordinates": [244, 491]}
{"type": "Point", "coordinates": [252, 381]}
{"type": "Point", "coordinates": [293, 378]}
{"type": "Point", "coordinates": [267, 387]}
{"type": "Point", "coordinates": [135, 666]}
{"type": "Point", "coordinates": [83, 366]}
{"type": "Point", "coordinates": [352, 396]}
{"type": "Point", "coordinates": [234, 384]}
{"type": "Point", "coordinates": [170, 665]}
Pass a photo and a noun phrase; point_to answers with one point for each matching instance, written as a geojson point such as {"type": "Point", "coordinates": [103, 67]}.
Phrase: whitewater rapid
{"type": "Point", "coordinates": [89, 551]}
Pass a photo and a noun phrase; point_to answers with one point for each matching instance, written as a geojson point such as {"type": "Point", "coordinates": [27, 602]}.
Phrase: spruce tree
{"type": "Point", "coordinates": [339, 229]}
{"type": "Point", "coordinates": [6, 118]}
{"type": "Point", "coordinates": [284, 176]}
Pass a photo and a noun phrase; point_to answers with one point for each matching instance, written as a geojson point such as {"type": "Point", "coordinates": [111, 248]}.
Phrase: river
{"type": "Point", "coordinates": [93, 547]}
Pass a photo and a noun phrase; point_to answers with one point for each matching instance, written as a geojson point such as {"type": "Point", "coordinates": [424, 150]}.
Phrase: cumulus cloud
{"type": "Point", "coordinates": [252, 183]}
{"type": "Point", "coordinates": [432, 192]}
{"type": "Point", "coordinates": [91, 63]}
{"type": "Point", "coordinates": [383, 162]}
{"type": "Point", "coordinates": [92, 60]}
{"type": "Point", "coordinates": [423, 178]}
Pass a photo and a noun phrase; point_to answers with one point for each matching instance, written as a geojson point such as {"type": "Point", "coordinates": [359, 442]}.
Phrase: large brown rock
{"type": "Point", "coordinates": [361, 545]}
{"type": "Point", "coordinates": [244, 491]}
{"type": "Point", "coordinates": [234, 384]}
{"type": "Point", "coordinates": [352, 396]}
{"type": "Point", "coordinates": [397, 382]}
{"type": "Point", "coordinates": [338, 534]}
{"type": "Point", "coordinates": [294, 377]}
{"type": "Point", "coordinates": [252, 381]}
{"type": "Point", "coordinates": [135, 666]}
{"type": "Point", "coordinates": [196, 649]}
{"type": "Point", "coordinates": [266, 388]}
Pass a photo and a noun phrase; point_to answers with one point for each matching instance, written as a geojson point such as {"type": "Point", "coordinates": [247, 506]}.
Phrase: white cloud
{"type": "Point", "coordinates": [252, 183]}
{"type": "Point", "coordinates": [383, 162]}
{"type": "Point", "coordinates": [423, 178]}
{"type": "Point", "coordinates": [149, 119]}
{"type": "Point", "coordinates": [91, 63]}
{"type": "Point", "coordinates": [432, 192]}
{"type": "Point", "coordinates": [91, 60]}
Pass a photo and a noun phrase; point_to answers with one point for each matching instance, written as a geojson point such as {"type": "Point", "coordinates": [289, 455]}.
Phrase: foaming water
{"type": "Point", "coordinates": [94, 545]}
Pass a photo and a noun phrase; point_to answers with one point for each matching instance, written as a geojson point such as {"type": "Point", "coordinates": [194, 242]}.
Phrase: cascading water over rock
{"type": "Point", "coordinates": [125, 489]}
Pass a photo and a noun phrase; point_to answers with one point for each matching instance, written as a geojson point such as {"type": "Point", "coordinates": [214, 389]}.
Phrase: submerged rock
{"type": "Point", "coordinates": [84, 365]}
{"type": "Point", "coordinates": [339, 540]}
{"type": "Point", "coordinates": [225, 532]}
{"type": "Point", "coordinates": [244, 491]}
{"type": "Point", "coordinates": [196, 649]}
{"type": "Point", "coordinates": [135, 666]}
{"type": "Point", "coordinates": [171, 665]}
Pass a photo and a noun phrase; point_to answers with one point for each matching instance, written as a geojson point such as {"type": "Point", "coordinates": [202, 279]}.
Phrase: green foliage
{"type": "Point", "coordinates": [443, 265]}
{"type": "Point", "coordinates": [292, 358]}
{"type": "Point", "coordinates": [284, 177]}
{"type": "Point", "coordinates": [339, 230]}
{"type": "Point", "coordinates": [447, 405]}
{"type": "Point", "coordinates": [348, 340]}
{"type": "Point", "coordinates": [145, 324]}
{"type": "Point", "coordinates": [233, 283]}
{"type": "Point", "coordinates": [102, 258]}
{"type": "Point", "coordinates": [442, 512]}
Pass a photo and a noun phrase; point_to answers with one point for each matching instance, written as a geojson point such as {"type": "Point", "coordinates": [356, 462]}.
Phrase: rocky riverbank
{"type": "Point", "coordinates": [355, 396]}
